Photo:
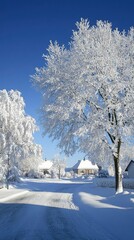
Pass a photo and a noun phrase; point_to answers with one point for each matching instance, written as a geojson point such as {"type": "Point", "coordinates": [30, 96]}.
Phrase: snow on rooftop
{"type": "Point", "coordinates": [85, 164]}
{"type": "Point", "coordinates": [47, 164]}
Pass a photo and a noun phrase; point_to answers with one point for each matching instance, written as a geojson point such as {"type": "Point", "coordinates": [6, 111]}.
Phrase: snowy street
{"type": "Point", "coordinates": [67, 210]}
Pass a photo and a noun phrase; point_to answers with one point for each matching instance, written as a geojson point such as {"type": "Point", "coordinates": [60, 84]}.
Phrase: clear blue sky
{"type": "Point", "coordinates": [27, 26]}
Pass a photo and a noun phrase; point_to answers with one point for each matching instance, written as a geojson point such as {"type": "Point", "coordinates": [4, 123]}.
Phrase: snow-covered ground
{"type": "Point", "coordinates": [65, 210]}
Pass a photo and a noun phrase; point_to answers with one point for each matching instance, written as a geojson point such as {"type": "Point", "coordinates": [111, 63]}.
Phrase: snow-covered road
{"type": "Point", "coordinates": [59, 210]}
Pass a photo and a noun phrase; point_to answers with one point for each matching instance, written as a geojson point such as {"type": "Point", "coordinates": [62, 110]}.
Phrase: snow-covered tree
{"type": "Point", "coordinates": [32, 159]}
{"type": "Point", "coordinates": [16, 131]}
{"type": "Point", "coordinates": [88, 91]}
{"type": "Point", "coordinates": [58, 167]}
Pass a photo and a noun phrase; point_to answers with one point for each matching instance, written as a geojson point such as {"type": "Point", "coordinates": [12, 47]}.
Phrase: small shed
{"type": "Point", "coordinates": [85, 167]}
{"type": "Point", "coordinates": [45, 166]}
{"type": "Point", "coordinates": [130, 169]}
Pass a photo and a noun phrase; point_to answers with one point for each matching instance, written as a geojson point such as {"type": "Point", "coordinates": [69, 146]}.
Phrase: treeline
{"type": "Point", "coordinates": [19, 155]}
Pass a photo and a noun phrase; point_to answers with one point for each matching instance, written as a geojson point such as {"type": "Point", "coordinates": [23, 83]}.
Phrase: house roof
{"type": "Point", "coordinates": [85, 164]}
{"type": "Point", "coordinates": [131, 162]}
{"type": "Point", "coordinates": [47, 164]}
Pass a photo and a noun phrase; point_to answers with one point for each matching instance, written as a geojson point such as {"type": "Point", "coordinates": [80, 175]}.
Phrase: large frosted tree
{"type": "Point", "coordinates": [88, 91]}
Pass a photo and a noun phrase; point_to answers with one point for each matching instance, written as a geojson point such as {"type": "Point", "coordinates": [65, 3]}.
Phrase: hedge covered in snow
{"type": "Point", "coordinates": [110, 182]}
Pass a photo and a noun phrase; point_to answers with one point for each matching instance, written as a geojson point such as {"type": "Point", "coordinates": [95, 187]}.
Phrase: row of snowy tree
{"type": "Point", "coordinates": [18, 151]}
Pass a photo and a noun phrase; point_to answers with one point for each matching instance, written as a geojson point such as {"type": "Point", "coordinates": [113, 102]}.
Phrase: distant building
{"type": "Point", "coordinates": [85, 167]}
{"type": "Point", "coordinates": [130, 169]}
{"type": "Point", "coordinates": [45, 166]}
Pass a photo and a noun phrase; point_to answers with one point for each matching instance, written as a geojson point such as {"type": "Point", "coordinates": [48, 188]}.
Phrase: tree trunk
{"type": "Point", "coordinates": [7, 174]}
{"type": "Point", "coordinates": [118, 173]}
{"type": "Point", "coordinates": [59, 173]}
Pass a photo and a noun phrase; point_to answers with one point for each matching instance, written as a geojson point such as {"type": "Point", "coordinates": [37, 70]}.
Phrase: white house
{"type": "Point", "coordinates": [85, 167]}
{"type": "Point", "coordinates": [130, 169]}
{"type": "Point", "coordinates": [45, 166]}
